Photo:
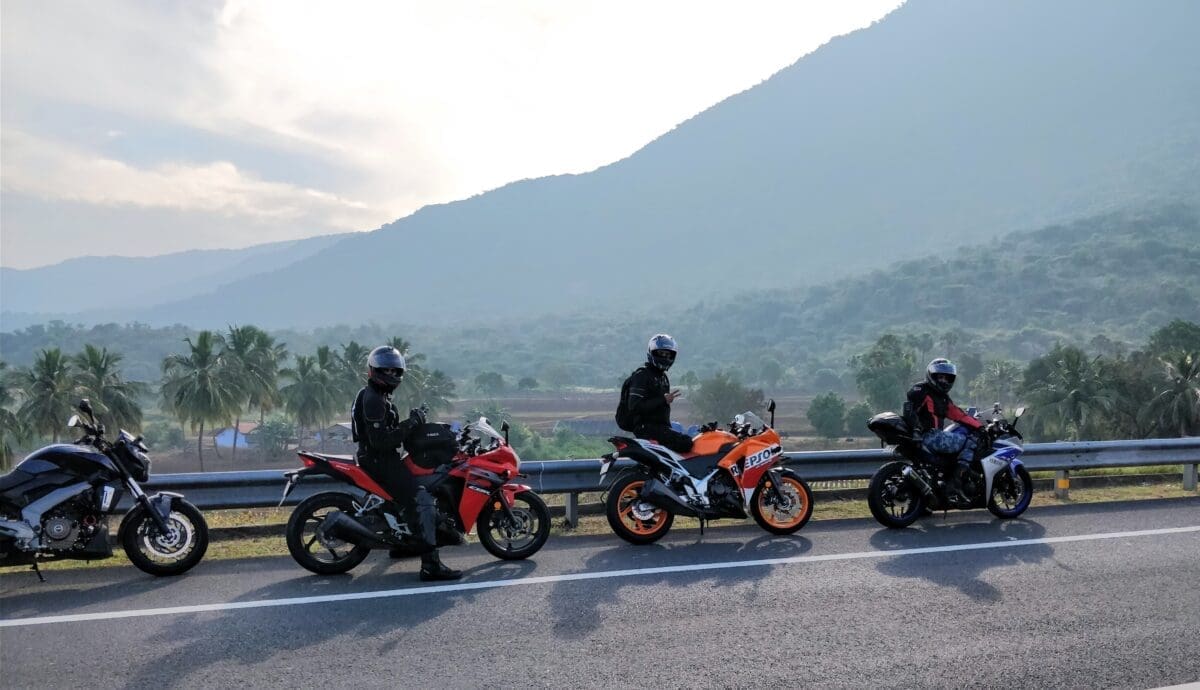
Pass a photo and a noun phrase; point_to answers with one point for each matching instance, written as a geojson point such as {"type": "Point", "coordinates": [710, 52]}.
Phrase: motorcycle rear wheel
{"type": "Point", "coordinates": [889, 486]}
{"type": "Point", "coordinates": [335, 556]}
{"type": "Point", "coordinates": [515, 542]}
{"type": "Point", "coordinates": [632, 521]}
{"type": "Point", "coordinates": [799, 507]}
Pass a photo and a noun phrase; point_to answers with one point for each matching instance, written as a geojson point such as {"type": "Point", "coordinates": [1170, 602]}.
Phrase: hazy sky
{"type": "Point", "coordinates": [142, 128]}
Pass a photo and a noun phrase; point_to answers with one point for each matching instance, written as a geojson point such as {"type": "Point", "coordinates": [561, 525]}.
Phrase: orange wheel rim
{"type": "Point", "coordinates": [626, 503]}
{"type": "Point", "coordinates": [797, 505]}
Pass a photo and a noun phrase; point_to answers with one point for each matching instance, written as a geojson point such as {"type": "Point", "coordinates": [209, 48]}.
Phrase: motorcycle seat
{"type": "Point", "coordinates": [328, 457]}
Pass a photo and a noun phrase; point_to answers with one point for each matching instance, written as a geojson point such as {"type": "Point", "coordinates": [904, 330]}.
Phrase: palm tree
{"type": "Point", "coordinates": [997, 382]}
{"type": "Point", "coordinates": [273, 356]}
{"type": "Point", "coordinates": [114, 399]}
{"type": "Point", "coordinates": [1070, 394]}
{"type": "Point", "coordinates": [49, 391]}
{"type": "Point", "coordinates": [12, 431]}
{"type": "Point", "coordinates": [311, 398]}
{"type": "Point", "coordinates": [247, 351]}
{"type": "Point", "coordinates": [352, 367]}
{"type": "Point", "coordinates": [201, 387]}
{"type": "Point", "coordinates": [1176, 410]}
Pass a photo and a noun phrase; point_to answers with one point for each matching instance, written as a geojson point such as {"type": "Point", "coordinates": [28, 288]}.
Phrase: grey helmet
{"type": "Point", "coordinates": [385, 366]}
{"type": "Point", "coordinates": [941, 373]}
{"type": "Point", "coordinates": [661, 351]}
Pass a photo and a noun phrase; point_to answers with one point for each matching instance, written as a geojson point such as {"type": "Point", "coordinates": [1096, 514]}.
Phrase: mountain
{"type": "Point", "coordinates": [99, 288]}
{"type": "Point", "coordinates": [1103, 281]}
{"type": "Point", "coordinates": [944, 123]}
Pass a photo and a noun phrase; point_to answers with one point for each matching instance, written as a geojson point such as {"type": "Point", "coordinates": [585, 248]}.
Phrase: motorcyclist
{"type": "Point", "coordinates": [928, 406]}
{"type": "Point", "coordinates": [651, 395]}
{"type": "Point", "coordinates": [380, 432]}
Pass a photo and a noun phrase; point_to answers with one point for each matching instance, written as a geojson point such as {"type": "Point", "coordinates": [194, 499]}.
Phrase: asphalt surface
{"type": "Point", "coordinates": [971, 610]}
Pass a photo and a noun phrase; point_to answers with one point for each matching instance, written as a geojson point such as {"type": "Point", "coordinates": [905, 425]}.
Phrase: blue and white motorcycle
{"type": "Point", "coordinates": [915, 483]}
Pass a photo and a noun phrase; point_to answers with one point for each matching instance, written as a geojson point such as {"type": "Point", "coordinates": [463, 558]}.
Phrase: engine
{"type": "Point", "coordinates": [68, 526]}
{"type": "Point", "coordinates": [724, 495]}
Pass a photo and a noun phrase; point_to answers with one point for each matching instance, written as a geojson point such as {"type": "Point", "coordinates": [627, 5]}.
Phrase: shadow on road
{"type": "Point", "coordinates": [196, 642]}
{"type": "Point", "coordinates": [960, 569]}
{"type": "Point", "coordinates": [577, 605]}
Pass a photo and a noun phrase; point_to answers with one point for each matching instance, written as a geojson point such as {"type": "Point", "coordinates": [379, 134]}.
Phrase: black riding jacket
{"type": "Point", "coordinates": [377, 427]}
{"type": "Point", "coordinates": [929, 408]}
{"type": "Point", "coordinates": [648, 388]}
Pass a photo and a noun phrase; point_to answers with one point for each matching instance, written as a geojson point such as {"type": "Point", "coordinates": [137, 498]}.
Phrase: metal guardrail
{"type": "Point", "coordinates": [262, 488]}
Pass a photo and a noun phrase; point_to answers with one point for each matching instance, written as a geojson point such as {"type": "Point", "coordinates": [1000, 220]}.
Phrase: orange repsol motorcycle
{"type": "Point", "coordinates": [728, 474]}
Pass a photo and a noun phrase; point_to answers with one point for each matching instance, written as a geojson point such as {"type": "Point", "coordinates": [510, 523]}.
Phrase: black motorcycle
{"type": "Point", "coordinates": [916, 483]}
{"type": "Point", "coordinates": [55, 505]}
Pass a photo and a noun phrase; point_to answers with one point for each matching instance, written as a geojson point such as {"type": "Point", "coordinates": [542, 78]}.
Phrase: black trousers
{"type": "Point", "coordinates": [665, 436]}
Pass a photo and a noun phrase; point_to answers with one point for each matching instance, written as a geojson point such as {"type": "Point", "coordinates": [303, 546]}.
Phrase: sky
{"type": "Point", "coordinates": [142, 128]}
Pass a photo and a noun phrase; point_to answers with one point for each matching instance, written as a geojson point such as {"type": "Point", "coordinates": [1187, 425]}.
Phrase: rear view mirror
{"type": "Point", "coordinates": [86, 407]}
{"type": "Point", "coordinates": [504, 430]}
{"type": "Point", "coordinates": [73, 421]}
{"type": "Point", "coordinates": [771, 409]}
{"type": "Point", "coordinates": [1020, 411]}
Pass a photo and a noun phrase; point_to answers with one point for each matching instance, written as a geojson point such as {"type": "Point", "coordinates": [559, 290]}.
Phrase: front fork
{"type": "Point", "coordinates": [157, 506]}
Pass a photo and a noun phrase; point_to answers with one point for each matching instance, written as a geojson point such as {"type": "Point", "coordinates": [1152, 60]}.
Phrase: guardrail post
{"type": "Point", "coordinates": [1062, 484]}
{"type": "Point", "coordinates": [572, 509]}
{"type": "Point", "coordinates": [1189, 477]}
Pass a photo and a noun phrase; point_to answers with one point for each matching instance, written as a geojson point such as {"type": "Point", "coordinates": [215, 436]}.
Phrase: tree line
{"type": "Point", "coordinates": [220, 378]}
{"type": "Point", "coordinates": [1072, 394]}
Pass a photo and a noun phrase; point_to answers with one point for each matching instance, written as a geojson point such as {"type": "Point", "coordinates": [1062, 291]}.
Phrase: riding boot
{"type": "Point", "coordinates": [433, 569]}
{"type": "Point", "coordinates": [954, 481]}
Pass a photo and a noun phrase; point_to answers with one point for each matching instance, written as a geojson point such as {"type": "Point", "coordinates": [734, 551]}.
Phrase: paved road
{"type": "Point", "coordinates": [1080, 596]}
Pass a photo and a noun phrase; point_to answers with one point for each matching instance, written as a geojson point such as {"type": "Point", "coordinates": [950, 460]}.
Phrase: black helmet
{"type": "Point", "coordinates": [661, 351]}
{"type": "Point", "coordinates": [941, 373]}
{"type": "Point", "coordinates": [385, 365]}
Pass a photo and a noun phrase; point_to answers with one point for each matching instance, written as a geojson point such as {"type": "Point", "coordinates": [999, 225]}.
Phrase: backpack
{"type": "Point", "coordinates": [624, 418]}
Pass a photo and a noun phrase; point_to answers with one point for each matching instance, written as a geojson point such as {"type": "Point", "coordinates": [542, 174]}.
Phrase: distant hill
{"type": "Point", "coordinates": [944, 123]}
{"type": "Point", "coordinates": [96, 289]}
{"type": "Point", "coordinates": [1119, 276]}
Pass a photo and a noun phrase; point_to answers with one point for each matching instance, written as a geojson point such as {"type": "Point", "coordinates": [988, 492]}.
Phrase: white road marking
{"type": "Point", "coordinates": [570, 577]}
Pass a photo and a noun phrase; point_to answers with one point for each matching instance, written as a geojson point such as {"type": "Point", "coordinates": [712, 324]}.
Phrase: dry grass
{"type": "Point", "coordinates": [259, 547]}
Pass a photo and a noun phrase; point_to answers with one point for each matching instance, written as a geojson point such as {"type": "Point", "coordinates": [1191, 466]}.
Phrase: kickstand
{"type": "Point", "coordinates": [38, 570]}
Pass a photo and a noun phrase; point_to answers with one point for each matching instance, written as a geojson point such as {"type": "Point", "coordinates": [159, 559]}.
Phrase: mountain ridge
{"type": "Point", "coordinates": [954, 120]}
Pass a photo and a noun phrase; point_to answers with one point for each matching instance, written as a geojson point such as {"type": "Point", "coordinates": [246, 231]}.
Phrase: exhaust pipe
{"type": "Point", "coordinates": [915, 478]}
{"type": "Point", "coordinates": [340, 526]}
{"type": "Point", "coordinates": [657, 494]}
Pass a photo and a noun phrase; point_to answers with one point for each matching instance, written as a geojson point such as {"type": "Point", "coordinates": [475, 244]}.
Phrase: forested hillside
{"type": "Point", "coordinates": [1102, 281]}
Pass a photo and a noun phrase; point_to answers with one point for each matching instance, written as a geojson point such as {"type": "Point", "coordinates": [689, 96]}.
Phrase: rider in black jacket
{"type": "Point", "coordinates": [650, 396]}
{"type": "Point", "coordinates": [380, 433]}
{"type": "Point", "coordinates": [928, 408]}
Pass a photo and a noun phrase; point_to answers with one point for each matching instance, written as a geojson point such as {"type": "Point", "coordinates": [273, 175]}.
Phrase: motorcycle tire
{"type": "Point", "coordinates": [1022, 503]}
{"type": "Point", "coordinates": [764, 513]}
{"type": "Point", "coordinates": [165, 555]}
{"type": "Point", "coordinates": [299, 544]}
{"type": "Point", "coordinates": [876, 500]}
{"type": "Point", "coordinates": [622, 496]}
{"type": "Point", "coordinates": [493, 523]}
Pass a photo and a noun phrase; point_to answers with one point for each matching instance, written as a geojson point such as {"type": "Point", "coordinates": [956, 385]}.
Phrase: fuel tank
{"type": "Point", "coordinates": [52, 467]}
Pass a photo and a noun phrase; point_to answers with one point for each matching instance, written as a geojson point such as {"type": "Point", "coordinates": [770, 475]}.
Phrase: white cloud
{"type": "Point", "coordinates": [411, 102]}
{"type": "Point", "coordinates": [46, 170]}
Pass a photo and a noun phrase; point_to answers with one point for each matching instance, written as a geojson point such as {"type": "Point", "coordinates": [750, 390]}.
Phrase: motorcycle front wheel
{"type": "Point", "coordinates": [1010, 498]}
{"type": "Point", "coordinates": [892, 498]}
{"type": "Point", "coordinates": [519, 536]}
{"type": "Point", "coordinates": [634, 520]}
{"type": "Point", "coordinates": [784, 514]}
{"type": "Point", "coordinates": [165, 554]}
{"type": "Point", "coordinates": [322, 554]}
